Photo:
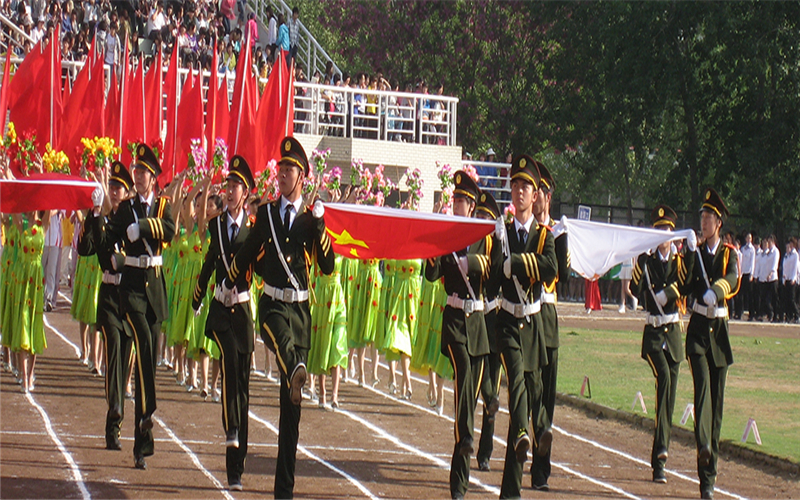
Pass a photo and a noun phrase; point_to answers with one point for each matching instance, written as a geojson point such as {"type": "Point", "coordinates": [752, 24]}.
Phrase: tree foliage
{"type": "Point", "coordinates": [643, 102]}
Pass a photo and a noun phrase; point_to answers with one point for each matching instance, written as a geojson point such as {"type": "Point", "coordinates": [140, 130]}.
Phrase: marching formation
{"type": "Point", "coordinates": [189, 280]}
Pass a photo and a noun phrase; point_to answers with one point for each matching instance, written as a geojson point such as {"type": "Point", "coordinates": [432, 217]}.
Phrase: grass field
{"type": "Point", "coordinates": [763, 383]}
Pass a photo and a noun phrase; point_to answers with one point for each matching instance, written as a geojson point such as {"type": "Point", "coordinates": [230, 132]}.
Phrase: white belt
{"type": "Point", "coordinates": [657, 320]}
{"type": "Point", "coordinates": [111, 279]}
{"type": "Point", "coordinates": [288, 295]}
{"type": "Point", "coordinates": [548, 298]}
{"type": "Point", "coordinates": [521, 310]}
{"type": "Point", "coordinates": [491, 305]}
{"type": "Point", "coordinates": [468, 306]}
{"type": "Point", "coordinates": [710, 312]}
{"type": "Point", "coordinates": [144, 261]}
{"type": "Point", "coordinates": [229, 300]}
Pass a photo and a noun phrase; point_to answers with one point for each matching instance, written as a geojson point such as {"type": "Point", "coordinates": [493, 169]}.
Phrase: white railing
{"type": "Point", "coordinates": [493, 179]}
{"type": "Point", "coordinates": [312, 56]}
{"type": "Point", "coordinates": [20, 36]}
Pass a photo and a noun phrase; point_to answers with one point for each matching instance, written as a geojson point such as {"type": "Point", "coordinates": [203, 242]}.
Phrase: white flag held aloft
{"type": "Point", "coordinates": [596, 247]}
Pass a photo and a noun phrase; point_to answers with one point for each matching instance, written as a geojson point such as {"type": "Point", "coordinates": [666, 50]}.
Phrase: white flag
{"type": "Point", "coordinates": [596, 247]}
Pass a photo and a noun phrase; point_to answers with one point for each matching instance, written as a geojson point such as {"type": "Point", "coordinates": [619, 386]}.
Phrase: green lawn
{"type": "Point", "coordinates": [763, 383]}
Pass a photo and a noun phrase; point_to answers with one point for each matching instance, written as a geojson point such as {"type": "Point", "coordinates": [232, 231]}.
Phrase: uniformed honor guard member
{"type": "Point", "coordinates": [292, 236]}
{"type": "Point", "coordinates": [464, 339]}
{"type": "Point", "coordinates": [530, 261]}
{"type": "Point", "coordinates": [143, 225]}
{"type": "Point", "coordinates": [118, 343]}
{"type": "Point", "coordinates": [230, 319]}
{"type": "Point", "coordinates": [540, 468]}
{"type": "Point", "coordinates": [660, 276]}
{"type": "Point", "coordinates": [490, 383]}
{"type": "Point", "coordinates": [713, 279]}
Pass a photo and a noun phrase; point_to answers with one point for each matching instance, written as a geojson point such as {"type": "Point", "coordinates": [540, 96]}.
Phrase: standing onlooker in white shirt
{"type": "Point", "coordinates": [748, 262]}
{"type": "Point", "coordinates": [772, 258]}
{"type": "Point", "coordinates": [156, 20]}
{"type": "Point", "coordinates": [112, 46]}
{"type": "Point", "coordinates": [51, 259]}
{"type": "Point", "coordinates": [294, 34]}
{"type": "Point", "coordinates": [272, 29]}
{"type": "Point", "coordinates": [789, 282]}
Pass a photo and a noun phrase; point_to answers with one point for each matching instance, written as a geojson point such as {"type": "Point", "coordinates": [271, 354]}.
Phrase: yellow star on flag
{"type": "Point", "coordinates": [346, 239]}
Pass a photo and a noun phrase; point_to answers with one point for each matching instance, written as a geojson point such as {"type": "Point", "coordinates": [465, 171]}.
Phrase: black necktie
{"type": "Point", "coordinates": [146, 208]}
{"type": "Point", "coordinates": [234, 230]}
{"type": "Point", "coordinates": [523, 235]}
{"type": "Point", "coordinates": [286, 217]}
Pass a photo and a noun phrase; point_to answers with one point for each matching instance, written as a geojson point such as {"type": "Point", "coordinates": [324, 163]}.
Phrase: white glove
{"type": "Point", "coordinates": [133, 232]}
{"type": "Point", "coordinates": [500, 230]}
{"type": "Point", "coordinates": [463, 264]}
{"type": "Point", "coordinates": [710, 298]}
{"type": "Point", "coordinates": [97, 197]}
{"type": "Point", "coordinates": [507, 268]}
{"type": "Point", "coordinates": [197, 311]}
{"type": "Point", "coordinates": [691, 241]}
{"type": "Point", "coordinates": [661, 298]}
{"type": "Point", "coordinates": [319, 209]}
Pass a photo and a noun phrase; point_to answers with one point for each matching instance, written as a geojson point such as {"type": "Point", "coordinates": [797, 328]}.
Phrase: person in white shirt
{"type": "Point", "coordinates": [772, 258]}
{"type": "Point", "coordinates": [272, 29]}
{"type": "Point", "coordinates": [38, 31]}
{"type": "Point", "coordinates": [112, 46]}
{"type": "Point", "coordinates": [789, 282]}
{"type": "Point", "coordinates": [758, 281]}
{"type": "Point", "coordinates": [156, 20]}
{"type": "Point", "coordinates": [51, 259]}
{"type": "Point", "coordinates": [748, 262]}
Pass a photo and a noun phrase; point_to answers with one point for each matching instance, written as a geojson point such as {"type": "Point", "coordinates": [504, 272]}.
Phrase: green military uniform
{"type": "Point", "coordinates": [490, 384]}
{"type": "Point", "coordinates": [118, 343]}
{"type": "Point", "coordinates": [283, 308]}
{"type": "Point", "coordinates": [464, 338]}
{"type": "Point", "coordinates": [661, 340]}
{"type": "Point", "coordinates": [142, 290]}
{"type": "Point", "coordinates": [520, 333]}
{"type": "Point", "coordinates": [230, 321]}
{"type": "Point", "coordinates": [540, 467]}
{"type": "Point", "coordinates": [708, 347]}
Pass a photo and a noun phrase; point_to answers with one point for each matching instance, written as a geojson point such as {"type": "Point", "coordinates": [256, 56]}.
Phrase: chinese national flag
{"type": "Point", "coordinates": [365, 232]}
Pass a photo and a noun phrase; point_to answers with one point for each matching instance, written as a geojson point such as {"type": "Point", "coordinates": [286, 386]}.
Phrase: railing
{"type": "Point", "coordinates": [493, 179]}
{"type": "Point", "coordinates": [375, 114]}
{"type": "Point", "coordinates": [9, 25]}
{"type": "Point", "coordinates": [309, 51]}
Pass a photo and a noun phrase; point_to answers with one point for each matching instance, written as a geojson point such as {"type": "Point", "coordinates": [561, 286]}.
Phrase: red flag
{"type": "Point", "coordinates": [133, 129]}
{"type": "Point", "coordinates": [272, 115]}
{"type": "Point", "coordinates": [152, 92]}
{"type": "Point", "coordinates": [92, 108]}
{"type": "Point", "coordinates": [211, 106]}
{"type": "Point", "coordinates": [171, 88]}
{"type": "Point", "coordinates": [4, 91]}
{"type": "Point", "coordinates": [243, 107]}
{"type": "Point", "coordinates": [222, 116]}
{"type": "Point", "coordinates": [112, 109]}
{"type": "Point", "coordinates": [72, 124]}
{"type": "Point", "coordinates": [190, 116]}
{"type": "Point", "coordinates": [27, 74]}
{"type": "Point", "coordinates": [45, 192]}
{"type": "Point", "coordinates": [359, 231]}
{"type": "Point", "coordinates": [121, 113]}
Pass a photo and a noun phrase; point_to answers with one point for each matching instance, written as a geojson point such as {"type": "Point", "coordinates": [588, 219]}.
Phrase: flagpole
{"type": "Point", "coordinates": [241, 94]}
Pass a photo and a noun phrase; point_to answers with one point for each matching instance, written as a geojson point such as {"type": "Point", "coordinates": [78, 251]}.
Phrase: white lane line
{"type": "Point", "coordinates": [639, 461]}
{"type": "Point", "coordinates": [302, 449]}
{"type": "Point", "coordinates": [503, 443]}
{"type": "Point", "coordinates": [175, 439]}
{"type": "Point", "coordinates": [65, 297]}
{"type": "Point", "coordinates": [416, 451]}
{"type": "Point", "coordinates": [77, 476]}
{"type": "Point", "coordinates": [62, 337]}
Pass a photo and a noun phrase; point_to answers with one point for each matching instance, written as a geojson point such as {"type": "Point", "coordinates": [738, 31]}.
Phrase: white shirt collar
{"type": "Point", "coordinates": [297, 204]}
{"type": "Point", "coordinates": [148, 200]}
{"type": "Point", "coordinates": [527, 225]}
{"type": "Point", "coordinates": [238, 219]}
{"type": "Point", "coordinates": [664, 258]}
{"type": "Point", "coordinates": [713, 251]}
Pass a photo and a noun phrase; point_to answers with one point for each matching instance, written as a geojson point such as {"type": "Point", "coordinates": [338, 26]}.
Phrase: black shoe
{"type": "Point", "coordinates": [466, 448]}
{"type": "Point", "coordinates": [235, 484]}
{"type": "Point", "coordinates": [483, 465]}
{"type": "Point", "coordinates": [48, 308]}
{"type": "Point", "coordinates": [139, 462]}
{"type": "Point", "coordinates": [492, 408]}
{"type": "Point", "coordinates": [232, 438]}
{"type": "Point", "coordinates": [707, 494]}
{"type": "Point", "coordinates": [545, 441]}
{"type": "Point", "coordinates": [659, 477]}
{"type": "Point", "coordinates": [296, 384]}
{"type": "Point", "coordinates": [457, 496]}
{"type": "Point", "coordinates": [662, 454]}
{"type": "Point", "coordinates": [145, 424]}
{"type": "Point", "coordinates": [521, 447]}
{"type": "Point", "coordinates": [704, 456]}
{"type": "Point", "coordinates": [541, 487]}
{"type": "Point", "coordinates": [112, 443]}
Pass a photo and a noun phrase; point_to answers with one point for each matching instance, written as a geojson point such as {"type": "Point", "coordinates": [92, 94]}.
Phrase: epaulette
{"type": "Point", "coordinates": [549, 228]}
{"type": "Point", "coordinates": [729, 246]}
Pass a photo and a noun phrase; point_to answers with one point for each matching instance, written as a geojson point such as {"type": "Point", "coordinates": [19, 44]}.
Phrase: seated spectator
{"type": "Point", "coordinates": [228, 60]}
{"type": "Point", "coordinates": [38, 32]}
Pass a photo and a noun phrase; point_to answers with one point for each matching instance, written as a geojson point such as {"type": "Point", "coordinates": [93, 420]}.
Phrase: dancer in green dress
{"type": "Point", "coordinates": [401, 322]}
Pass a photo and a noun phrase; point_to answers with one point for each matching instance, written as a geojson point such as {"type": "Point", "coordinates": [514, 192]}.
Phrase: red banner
{"type": "Point", "coordinates": [365, 232]}
{"type": "Point", "coordinates": [45, 192]}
